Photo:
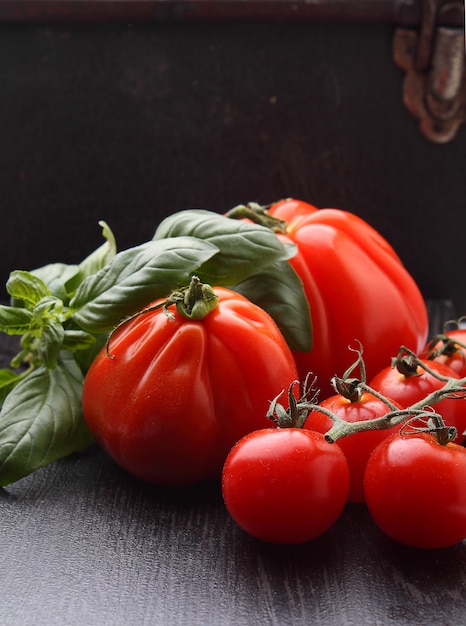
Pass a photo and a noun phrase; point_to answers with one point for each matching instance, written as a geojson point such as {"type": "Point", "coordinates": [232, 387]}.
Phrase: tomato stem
{"type": "Point", "coordinates": [452, 388]}
{"type": "Point", "coordinates": [353, 388]}
{"type": "Point", "coordinates": [415, 363]}
{"type": "Point", "coordinates": [298, 410]}
{"type": "Point", "coordinates": [193, 302]}
{"type": "Point", "coordinates": [448, 347]}
{"type": "Point", "coordinates": [434, 425]}
{"type": "Point", "coordinates": [259, 215]}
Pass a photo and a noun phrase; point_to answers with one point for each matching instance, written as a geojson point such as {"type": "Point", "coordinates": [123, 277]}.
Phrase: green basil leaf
{"type": "Point", "coordinates": [14, 320]}
{"type": "Point", "coordinates": [41, 421]}
{"type": "Point", "coordinates": [55, 276]}
{"type": "Point", "coordinates": [134, 278]}
{"type": "Point", "coordinates": [26, 288]}
{"type": "Point", "coordinates": [74, 340]}
{"type": "Point", "coordinates": [103, 255]}
{"type": "Point", "coordinates": [50, 343]}
{"type": "Point", "coordinates": [279, 291]}
{"type": "Point", "coordinates": [243, 248]}
{"type": "Point", "coordinates": [95, 261]}
{"type": "Point", "coordinates": [47, 307]}
{"type": "Point", "coordinates": [8, 379]}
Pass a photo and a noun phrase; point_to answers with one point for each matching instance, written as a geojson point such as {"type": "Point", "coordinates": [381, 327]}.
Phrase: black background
{"type": "Point", "coordinates": [128, 122]}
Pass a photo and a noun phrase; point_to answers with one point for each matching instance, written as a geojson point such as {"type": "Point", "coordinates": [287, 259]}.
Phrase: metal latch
{"type": "Point", "coordinates": [433, 57]}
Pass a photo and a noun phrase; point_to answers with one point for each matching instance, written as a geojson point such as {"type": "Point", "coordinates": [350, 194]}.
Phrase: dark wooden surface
{"type": "Point", "coordinates": [83, 543]}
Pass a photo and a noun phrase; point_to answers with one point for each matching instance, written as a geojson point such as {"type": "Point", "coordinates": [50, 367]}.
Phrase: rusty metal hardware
{"type": "Point", "coordinates": [433, 57]}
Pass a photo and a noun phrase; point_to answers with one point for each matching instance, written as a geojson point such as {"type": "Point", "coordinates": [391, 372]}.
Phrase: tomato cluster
{"type": "Point", "coordinates": [179, 396]}
{"type": "Point", "coordinates": [411, 475]}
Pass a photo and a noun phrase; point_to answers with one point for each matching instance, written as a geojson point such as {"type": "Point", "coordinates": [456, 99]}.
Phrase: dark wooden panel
{"type": "Point", "coordinates": [91, 10]}
{"type": "Point", "coordinates": [130, 122]}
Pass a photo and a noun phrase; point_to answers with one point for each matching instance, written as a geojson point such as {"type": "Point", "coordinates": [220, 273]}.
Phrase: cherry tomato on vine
{"type": "Point", "coordinates": [356, 286]}
{"type": "Point", "coordinates": [449, 348]}
{"type": "Point", "coordinates": [285, 485]}
{"type": "Point", "coordinates": [415, 490]}
{"type": "Point", "coordinates": [410, 384]}
{"type": "Point", "coordinates": [176, 393]}
{"type": "Point", "coordinates": [358, 446]}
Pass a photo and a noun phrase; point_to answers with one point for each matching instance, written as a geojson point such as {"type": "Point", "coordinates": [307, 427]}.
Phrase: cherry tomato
{"type": "Point", "coordinates": [449, 348]}
{"type": "Point", "coordinates": [178, 393]}
{"type": "Point", "coordinates": [357, 288]}
{"type": "Point", "coordinates": [407, 389]}
{"type": "Point", "coordinates": [285, 485]}
{"type": "Point", "coordinates": [415, 490]}
{"type": "Point", "coordinates": [357, 447]}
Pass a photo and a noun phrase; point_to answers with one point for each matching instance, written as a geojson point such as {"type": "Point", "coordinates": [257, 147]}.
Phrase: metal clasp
{"type": "Point", "coordinates": [434, 88]}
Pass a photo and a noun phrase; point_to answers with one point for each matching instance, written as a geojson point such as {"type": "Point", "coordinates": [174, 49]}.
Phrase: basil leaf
{"type": "Point", "coordinates": [41, 421]}
{"type": "Point", "coordinates": [243, 248]}
{"type": "Point", "coordinates": [8, 379]}
{"type": "Point", "coordinates": [14, 320]}
{"type": "Point", "coordinates": [26, 288]}
{"type": "Point", "coordinates": [279, 291]}
{"type": "Point", "coordinates": [62, 279]}
{"type": "Point", "coordinates": [50, 343]}
{"type": "Point", "coordinates": [95, 261]}
{"type": "Point", "coordinates": [134, 277]}
{"type": "Point", "coordinates": [78, 340]}
{"type": "Point", "coordinates": [55, 276]}
{"type": "Point", "coordinates": [47, 307]}
{"type": "Point", "coordinates": [103, 255]}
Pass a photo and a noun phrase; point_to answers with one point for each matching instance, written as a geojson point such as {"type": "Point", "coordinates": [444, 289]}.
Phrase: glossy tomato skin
{"type": "Point", "coordinates": [415, 490]}
{"type": "Point", "coordinates": [455, 360]}
{"type": "Point", "coordinates": [407, 390]}
{"type": "Point", "coordinates": [357, 289]}
{"type": "Point", "coordinates": [178, 394]}
{"type": "Point", "coordinates": [358, 447]}
{"type": "Point", "coordinates": [285, 485]}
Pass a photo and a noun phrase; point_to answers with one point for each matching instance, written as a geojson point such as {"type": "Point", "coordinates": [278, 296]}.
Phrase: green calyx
{"type": "Point", "coordinates": [259, 215]}
{"type": "Point", "coordinates": [432, 424]}
{"type": "Point", "coordinates": [193, 302]}
{"type": "Point", "coordinates": [298, 410]}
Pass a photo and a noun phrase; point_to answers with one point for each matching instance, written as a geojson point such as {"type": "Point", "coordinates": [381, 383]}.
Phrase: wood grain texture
{"type": "Point", "coordinates": [129, 122]}
{"type": "Point", "coordinates": [83, 543]}
{"type": "Point", "coordinates": [94, 10]}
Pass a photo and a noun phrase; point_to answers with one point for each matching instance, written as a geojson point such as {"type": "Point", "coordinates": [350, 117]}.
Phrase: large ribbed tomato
{"type": "Point", "coordinates": [175, 394]}
{"type": "Point", "coordinates": [357, 289]}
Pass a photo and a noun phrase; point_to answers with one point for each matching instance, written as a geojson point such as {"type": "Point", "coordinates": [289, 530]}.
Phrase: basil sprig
{"type": "Point", "coordinates": [63, 313]}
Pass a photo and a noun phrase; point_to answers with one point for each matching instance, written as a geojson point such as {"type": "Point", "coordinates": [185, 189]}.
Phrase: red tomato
{"type": "Point", "coordinates": [179, 393]}
{"type": "Point", "coordinates": [357, 447]}
{"type": "Point", "coordinates": [285, 485]}
{"type": "Point", "coordinates": [407, 390]}
{"type": "Point", "coordinates": [415, 490]}
{"type": "Point", "coordinates": [450, 349]}
{"type": "Point", "coordinates": [357, 289]}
